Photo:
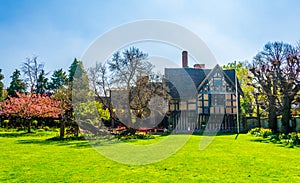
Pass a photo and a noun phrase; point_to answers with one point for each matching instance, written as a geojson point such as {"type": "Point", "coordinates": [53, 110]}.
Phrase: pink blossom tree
{"type": "Point", "coordinates": [31, 106]}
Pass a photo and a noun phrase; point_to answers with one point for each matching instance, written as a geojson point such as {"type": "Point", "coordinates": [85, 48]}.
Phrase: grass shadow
{"type": "Point", "coordinates": [48, 138]}
{"type": "Point", "coordinates": [71, 143]}
{"type": "Point", "coordinates": [22, 134]}
{"type": "Point", "coordinates": [260, 140]}
{"type": "Point", "coordinates": [276, 143]}
{"type": "Point", "coordinates": [215, 133]}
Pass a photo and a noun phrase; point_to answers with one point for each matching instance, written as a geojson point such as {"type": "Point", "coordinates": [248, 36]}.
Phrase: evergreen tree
{"type": "Point", "coordinates": [58, 79]}
{"type": "Point", "coordinates": [42, 83]}
{"type": "Point", "coordinates": [79, 86]}
{"type": "Point", "coordinates": [1, 85]}
{"type": "Point", "coordinates": [16, 84]}
{"type": "Point", "coordinates": [72, 69]}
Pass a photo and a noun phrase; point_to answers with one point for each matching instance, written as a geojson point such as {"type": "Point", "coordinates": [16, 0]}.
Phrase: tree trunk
{"type": "Point", "coordinates": [62, 129]}
{"type": "Point", "coordinates": [272, 115]}
{"type": "Point", "coordinates": [286, 115]}
{"type": "Point", "coordinates": [76, 132]}
{"type": "Point", "coordinates": [28, 126]}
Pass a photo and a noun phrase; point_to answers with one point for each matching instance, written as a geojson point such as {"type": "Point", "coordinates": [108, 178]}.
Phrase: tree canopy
{"type": "Point", "coordinates": [129, 81]}
{"type": "Point", "coordinates": [32, 69]}
{"type": "Point", "coordinates": [30, 106]}
{"type": "Point", "coordinates": [58, 80]}
{"type": "Point", "coordinates": [42, 84]}
{"type": "Point", "coordinates": [1, 85]}
{"type": "Point", "coordinates": [16, 85]}
{"type": "Point", "coordinates": [242, 72]}
{"type": "Point", "coordinates": [275, 72]}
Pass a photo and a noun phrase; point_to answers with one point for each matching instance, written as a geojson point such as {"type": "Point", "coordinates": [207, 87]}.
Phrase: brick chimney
{"type": "Point", "coordinates": [184, 59]}
{"type": "Point", "coordinates": [199, 66]}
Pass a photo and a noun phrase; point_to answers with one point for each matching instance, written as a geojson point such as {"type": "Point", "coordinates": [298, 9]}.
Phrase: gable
{"type": "Point", "coordinates": [218, 81]}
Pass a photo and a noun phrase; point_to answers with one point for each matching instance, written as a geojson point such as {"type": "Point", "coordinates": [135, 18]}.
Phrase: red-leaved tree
{"type": "Point", "coordinates": [31, 106]}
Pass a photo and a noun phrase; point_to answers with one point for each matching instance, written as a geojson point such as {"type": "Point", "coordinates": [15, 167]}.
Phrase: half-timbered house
{"type": "Point", "coordinates": [202, 98]}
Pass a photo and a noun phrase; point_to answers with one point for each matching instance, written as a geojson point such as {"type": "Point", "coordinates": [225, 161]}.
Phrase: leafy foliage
{"type": "Point", "coordinates": [1, 85]}
{"type": "Point", "coordinates": [262, 132]}
{"type": "Point", "coordinates": [64, 96]}
{"type": "Point", "coordinates": [132, 86]}
{"type": "Point", "coordinates": [136, 136]}
{"type": "Point", "coordinates": [72, 69]}
{"type": "Point", "coordinates": [42, 84]}
{"type": "Point", "coordinates": [16, 84]}
{"type": "Point", "coordinates": [243, 73]}
{"type": "Point", "coordinates": [58, 80]}
{"type": "Point", "coordinates": [30, 107]}
{"type": "Point", "coordinates": [92, 111]}
{"type": "Point", "coordinates": [290, 139]}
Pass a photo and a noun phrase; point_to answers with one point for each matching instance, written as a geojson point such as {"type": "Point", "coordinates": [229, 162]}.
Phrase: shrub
{"type": "Point", "coordinates": [265, 132]}
{"type": "Point", "coordinates": [135, 136]}
{"type": "Point", "coordinates": [20, 129]}
{"type": "Point", "coordinates": [46, 128]}
{"type": "Point", "coordinates": [34, 122]}
{"type": "Point", "coordinates": [40, 130]}
{"type": "Point", "coordinates": [294, 138]}
{"type": "Point", "coordinates": [275, 138]}
{"type": "Point", "coordinates": [291, 139]}
{"type": "Point", "coordinates": [261, 132]}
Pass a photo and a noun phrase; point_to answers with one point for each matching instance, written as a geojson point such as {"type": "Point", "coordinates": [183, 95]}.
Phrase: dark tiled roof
{"type": "Point", "coordinates": [197, 75]}
{"type": "Point", "coordinates": [184, 82]}
{"type": "Point", "coordinates": [231, 74]}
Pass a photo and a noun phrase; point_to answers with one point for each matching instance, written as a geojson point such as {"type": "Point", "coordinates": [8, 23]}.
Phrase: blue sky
{"type": "Point", "coordinates": [57, 31]}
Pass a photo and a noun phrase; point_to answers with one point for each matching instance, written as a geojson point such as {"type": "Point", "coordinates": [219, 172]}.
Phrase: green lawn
{"type": "Point", "coordinates": [30, 158]}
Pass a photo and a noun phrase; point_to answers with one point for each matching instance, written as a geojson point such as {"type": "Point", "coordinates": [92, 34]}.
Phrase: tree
{"type": "Point", "coordinates": [64, 95]}
{"type": "Point", "coordinates": [289, 81]}
{"type": "Point", "coordinates": [79, 82]}
{"type": "Point", "coordinates": [58, 80]}
{"type": "Point", "coordinates": [125, 84]}
{"type": "Point", "coordinates": [92, 111]}
{"type": "Point", "coordinates": [129, 67]}
{"type": "Point", "coordinates": [16, 84]}
{"type": "Point", "coordinates": [30, 106]}
{"type": "Point", "coordinates": [73, 68]}
{"type": "Point", "coordinates": [41, 84]}
{"type": "Point", "coordinates": [243, 73]}
{"type": "Point", "coordinates": [32, 70]}
{"type": "Point", "coordinates": [276, 71]}
{"type": "Point", "coordinates": [1, 85]}
{"type": "Point", "coordinates": [102, 86]}
{"type": "Point", "coordinates": [79, 86]}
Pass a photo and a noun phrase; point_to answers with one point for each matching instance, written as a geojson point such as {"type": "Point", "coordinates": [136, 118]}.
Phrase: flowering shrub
{"type": "Point", "coordinates": [291, 139]}
{"type": "Point", "coordinates": [261, 132]}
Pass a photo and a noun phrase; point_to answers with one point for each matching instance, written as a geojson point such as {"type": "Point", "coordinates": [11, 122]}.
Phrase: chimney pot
{"type": "Point", "coordinates": [199, 66]}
